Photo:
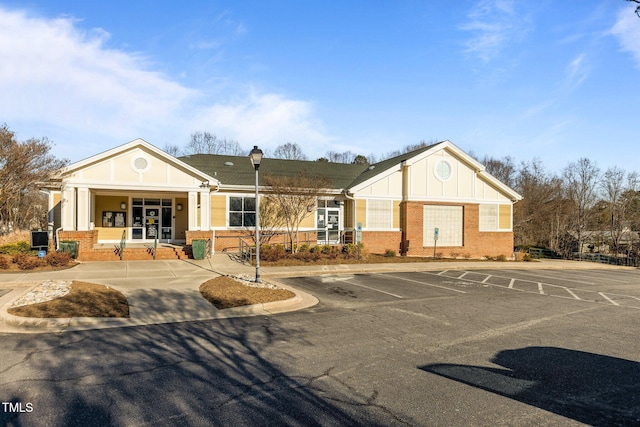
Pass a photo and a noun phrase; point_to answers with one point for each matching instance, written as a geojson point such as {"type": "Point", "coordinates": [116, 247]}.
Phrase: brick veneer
{"type": "Point", "coordinates": [475, 243]}
{"type": "Point", "coordinates": [87, 250]}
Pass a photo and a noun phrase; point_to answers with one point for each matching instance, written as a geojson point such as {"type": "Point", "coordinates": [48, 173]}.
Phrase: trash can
{"type": "Point", "coordinates": [199, 248]}
{"type": "Point", "coordinates": [70, 246]}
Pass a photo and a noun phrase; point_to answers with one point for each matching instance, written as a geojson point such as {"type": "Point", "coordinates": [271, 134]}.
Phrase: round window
{"type": "Point", "coordinates": [443, 170]}
{"type": "Point", "coordinates": [140, 164]}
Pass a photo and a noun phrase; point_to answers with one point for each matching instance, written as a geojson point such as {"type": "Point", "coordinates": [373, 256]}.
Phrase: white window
{"type": "Point", "coordinates": [449, 222]}
{"type": "Point", "coordinates": [495, 217]}
{"type": "Point", "coordinates": [379, 214]}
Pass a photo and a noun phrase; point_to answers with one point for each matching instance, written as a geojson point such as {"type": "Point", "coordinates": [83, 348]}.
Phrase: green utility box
{"type": "Point", "coordinates": [70, 246]}
{"type": "Point", "coordinates": [199, 248]}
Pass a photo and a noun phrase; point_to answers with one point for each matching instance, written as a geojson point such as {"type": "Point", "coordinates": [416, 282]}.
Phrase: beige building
{"type": "Point", "coordinates": [136, 193]}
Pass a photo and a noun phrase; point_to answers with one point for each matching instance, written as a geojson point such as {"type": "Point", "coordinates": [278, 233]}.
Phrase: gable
{"type": "Point", "coordinates": [135, 165]}
{"type": "Point", "coordinates": [439, 172]}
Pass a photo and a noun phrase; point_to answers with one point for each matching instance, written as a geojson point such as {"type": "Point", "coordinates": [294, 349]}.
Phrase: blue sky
{"type": "Point", "coordinates": [550, 80]}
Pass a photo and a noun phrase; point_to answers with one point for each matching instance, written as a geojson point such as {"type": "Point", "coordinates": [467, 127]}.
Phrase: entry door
{"type": "Point", "coordinates": [152, 218]}
{"type": "Point", "coordinates": [328, 225]}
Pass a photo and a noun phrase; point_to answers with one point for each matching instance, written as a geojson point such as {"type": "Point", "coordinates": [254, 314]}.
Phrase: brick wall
{"type": "Point", "coordinates": [476, 244]}
{"type": "Point", "coordinates": [378, 242]}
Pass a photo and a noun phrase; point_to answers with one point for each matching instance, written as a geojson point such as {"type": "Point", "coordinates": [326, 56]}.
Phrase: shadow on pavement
{"type": "Point", "coordinates": [591, 388]}
{"type": "Point", "coordinates": [225, 372]}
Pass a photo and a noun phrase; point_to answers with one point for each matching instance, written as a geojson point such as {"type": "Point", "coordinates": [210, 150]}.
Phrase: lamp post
{"type": "Point", "coordinates": [256, 158]}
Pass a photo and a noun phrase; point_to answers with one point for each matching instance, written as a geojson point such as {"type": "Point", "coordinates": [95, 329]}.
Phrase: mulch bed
{"type": "Point", "coordinates": [226, 292]}
{"type": "Point", "coordinates": [84, 300]}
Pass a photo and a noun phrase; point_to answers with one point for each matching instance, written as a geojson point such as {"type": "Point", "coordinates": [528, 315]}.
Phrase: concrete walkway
{"type": "Point", "coordinates": [167, 291]}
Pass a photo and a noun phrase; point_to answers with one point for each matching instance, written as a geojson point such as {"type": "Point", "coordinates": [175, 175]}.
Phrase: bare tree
{"type": "Point", "coordinates": [289, 151]}
{"type": "Point", "coordinates": [638, 7]}
{"type": "Point", "coordinates": [172, 149]}
{"type": "Point", "coordinates": [296, 197]}
{"type": "Point", "coordinates": [344, 157]}
{"type": "Point", "coordinates": [580, 184]}
{"type": "Point", "coordinates": [23, 166]}
{"type": "Point", "coordinates": [620, 192]}
{"type": "Point", "coordinates": [541, 217]}
{"type": "Point", "coordinates": [503, 169]}
{"type": "Point", "coordinates": [208, 143]}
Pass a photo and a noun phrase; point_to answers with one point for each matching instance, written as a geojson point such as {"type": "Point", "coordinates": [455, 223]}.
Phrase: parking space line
{"type": "Point", "coordinates": [374, 289]}
{"type": "Point", "coordinates": [607, 298]}
{"type": "Point", "coordinates": [486, 278]}
{"type": "Point", "coordinates": [573, 294]}
{"type": "Point", "coordinates": [540, 290]}
{"type": "Point", "coordinates": [424, 283]}
{"type": "Point", "coordinates": [511, 283]}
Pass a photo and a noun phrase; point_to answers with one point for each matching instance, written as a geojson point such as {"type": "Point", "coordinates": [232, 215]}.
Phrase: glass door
{"type": "Point", "coordinates": [152, 218]}
{"type": "Point", "coordinates": [328, 225]}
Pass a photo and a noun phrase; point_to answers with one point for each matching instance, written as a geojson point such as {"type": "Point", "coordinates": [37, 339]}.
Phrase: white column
{"type": "Point", "coordinates": [193, 210]}
{"type": "Point", "coordinates": [205, 210]}
{"type": "Point", "coordinates": [68, 208]}
{"type": "Point", "coordinates": [84, 207]}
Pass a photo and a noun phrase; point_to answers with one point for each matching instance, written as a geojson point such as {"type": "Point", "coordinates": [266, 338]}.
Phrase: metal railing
{"type": "Point", "coordinates": [606, 259]}
{"type": "Point", "coordinates": [123, 241]}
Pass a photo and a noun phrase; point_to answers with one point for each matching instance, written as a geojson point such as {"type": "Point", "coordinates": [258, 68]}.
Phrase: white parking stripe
{"type": "Point", "coordinates": [540, 288]}
{"type": "Point", "coordinates": [486, 278]}
{"type": "Point", "coordinates": [573, 294]}
{"type": "Point", "coordinates": [511, 283]}
{"type": "Point", "coordinates": [607, 298]}
{"type": "Point", "coordinates": [425, 283]}
{"type": "Point", "coordinates": [374, 289]}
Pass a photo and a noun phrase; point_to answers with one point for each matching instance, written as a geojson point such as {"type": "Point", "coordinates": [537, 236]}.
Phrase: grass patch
{"type": "Point", "coordinates": [84, 300]}
{"type": "Point", "coordinates": [226, 292]}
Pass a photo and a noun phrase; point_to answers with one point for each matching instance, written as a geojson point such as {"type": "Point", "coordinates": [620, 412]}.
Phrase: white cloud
{"type": "Point", "coordinates": [493, 24]}
{"type": "Point", "coordinates": [577, 71]}
{"type": "Point", "coordinates": [58, 77]}
{"type": "Point", "coordinates": [627, 30]}
{"type": "Point", "coordinates": [265, 119]}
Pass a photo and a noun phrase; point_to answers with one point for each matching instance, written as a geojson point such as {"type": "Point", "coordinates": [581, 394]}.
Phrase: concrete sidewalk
{"type": "Point", "coordinates": [167, 291]}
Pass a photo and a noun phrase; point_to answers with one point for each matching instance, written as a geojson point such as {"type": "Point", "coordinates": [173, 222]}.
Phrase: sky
{"type": "Point", "coordinates": [548, 80]}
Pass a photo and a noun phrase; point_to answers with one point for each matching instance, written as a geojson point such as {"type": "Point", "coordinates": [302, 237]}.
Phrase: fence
{"type": "Point", "coordinates": [606, 259]}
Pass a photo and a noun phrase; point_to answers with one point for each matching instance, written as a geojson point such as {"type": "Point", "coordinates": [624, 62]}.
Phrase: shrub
{"type": "Point", "coordinates": [390, 253]}
{"type": "Point", "coordinates": [305, 247]}
{"type": "Point", "coordinates": [501, 257]}
{"type": "Point", "coordinates": [21, 247]}
{"type": "Point", "coordinates": [58, 259]}
{"type": "Point", "coordinates": [4, 263]}
{"type": "Point", "coordinates": [272, 252]}
{"type": "Point", "coordinates": [489, 258]}
{"type": "Point", "coordinates": [26, 262]}
{"type": "Point", "coordinates": [466, 255]}
{"type": "Point", "coordinates": [454, 254]}
{"type": "Point", "coordinates": [439, 255]}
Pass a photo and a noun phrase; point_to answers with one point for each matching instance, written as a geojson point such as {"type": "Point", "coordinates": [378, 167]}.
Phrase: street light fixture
{"type": "Point", "coordinates": [256, 158]}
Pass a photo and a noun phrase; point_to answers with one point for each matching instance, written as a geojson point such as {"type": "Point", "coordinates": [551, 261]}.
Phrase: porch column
{"type": "Point", "coordinates": [205, 210]}
{"type": "Point", "coordinates": [84, 207]}
{"type": "Point", "coordinates": [193, 210]}
{"type": "Point", "coordinates": [68, 208]}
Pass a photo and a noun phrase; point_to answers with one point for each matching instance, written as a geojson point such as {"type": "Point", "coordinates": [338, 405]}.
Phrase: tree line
{"type": "Point", "coordinates": [581, 208]}
{"type": "Point", "coordinates": [204, 142]}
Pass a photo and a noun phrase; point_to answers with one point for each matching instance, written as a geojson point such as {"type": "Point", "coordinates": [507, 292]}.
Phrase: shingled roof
{"type": "Point", "coordinates": [237, 170]}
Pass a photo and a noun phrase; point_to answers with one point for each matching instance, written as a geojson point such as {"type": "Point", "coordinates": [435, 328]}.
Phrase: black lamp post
{"type": "Point", "coordinates": [256, 158]}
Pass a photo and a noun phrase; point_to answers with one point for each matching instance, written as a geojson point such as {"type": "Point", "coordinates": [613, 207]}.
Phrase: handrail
{"type": "Point", "coordinates": [123, 241]}
{"type": "Point", "coordinates": [155, 246]}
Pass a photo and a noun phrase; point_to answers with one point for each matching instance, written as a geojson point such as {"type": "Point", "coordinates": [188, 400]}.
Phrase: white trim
{"type": "Point", "coordinates": [137, 143]}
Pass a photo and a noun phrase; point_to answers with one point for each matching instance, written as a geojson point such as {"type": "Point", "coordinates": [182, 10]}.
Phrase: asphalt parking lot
{"type": "Point", "coordinates": [499, 347]}
{"type": "Point", "coordinates": [490, 347]}
{"type": "Point", "coordinates": [617, 288]}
